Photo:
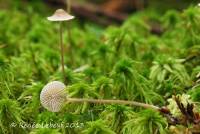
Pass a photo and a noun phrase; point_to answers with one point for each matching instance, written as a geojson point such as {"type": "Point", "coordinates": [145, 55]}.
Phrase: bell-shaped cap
{"type": "Point", "coordinates": [60, 15]}
{"type": "Point", "coordinates": [53, 96]}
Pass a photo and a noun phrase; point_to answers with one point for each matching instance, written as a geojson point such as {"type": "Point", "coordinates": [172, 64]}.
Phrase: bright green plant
{"type": "Point", "coordinates": [104, 86]}
{"type": "Point", "coordinates": [10, 113]}
{"type": "Point", "coordinates": [115, 116]}
{"type": "Point", "coordinates": [45, 131]}
{"type": "Point", "coordinates": [81, 90]}
{"type": "Point", "coordinates": [169, 70]}
{"type": "Point", "coordinates": [145, 122]}
{"type": "Point", "coordinates": [98, 127]}
{"type": "Point", "coordinates": [129, 84]}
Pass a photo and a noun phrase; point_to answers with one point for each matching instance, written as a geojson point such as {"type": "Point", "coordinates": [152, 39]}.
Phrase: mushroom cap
{"type": "Point", "coordinates": [53, 96]}
{"type": "Point", "coordinates": [60, 15]}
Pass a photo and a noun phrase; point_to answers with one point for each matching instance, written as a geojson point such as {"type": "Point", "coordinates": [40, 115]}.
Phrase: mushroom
{"type": "Point", "coordinates": [53, 97]}
{"type": "Point", "coordinates": [61, 15]}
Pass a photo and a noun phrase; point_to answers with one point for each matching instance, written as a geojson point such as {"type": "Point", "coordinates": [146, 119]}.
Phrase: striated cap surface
{"type": "Point", "coordinates": [53, 96]}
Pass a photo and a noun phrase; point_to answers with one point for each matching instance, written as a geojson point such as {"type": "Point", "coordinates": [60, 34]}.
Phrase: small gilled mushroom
{"type": "Point", "coordinates": [61, 15]}
{"type": "Point", "coordinates": [53, 97]}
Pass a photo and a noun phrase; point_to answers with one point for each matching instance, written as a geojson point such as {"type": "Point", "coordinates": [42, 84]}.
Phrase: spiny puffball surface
{"type": "Point", "coordinates": [53, 96]}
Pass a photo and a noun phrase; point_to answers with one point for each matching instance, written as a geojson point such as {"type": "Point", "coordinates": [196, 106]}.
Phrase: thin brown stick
{"type": "Point", "coordinates": [123, 102]}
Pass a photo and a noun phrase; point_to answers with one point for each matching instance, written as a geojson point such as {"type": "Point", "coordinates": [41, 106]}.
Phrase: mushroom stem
{"type": "Point", "coordinates": [62, 52]}
{"type": "Point", "coordinates": [122, 102]}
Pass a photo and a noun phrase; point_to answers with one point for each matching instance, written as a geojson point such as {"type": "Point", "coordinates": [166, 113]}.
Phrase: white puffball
{"type": "Point", "coordinates": [53, 96]}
